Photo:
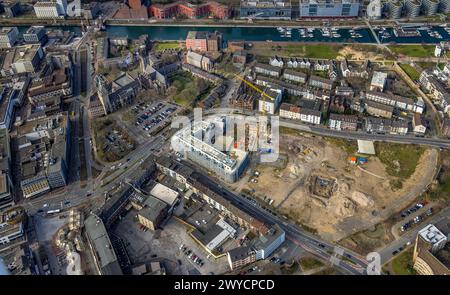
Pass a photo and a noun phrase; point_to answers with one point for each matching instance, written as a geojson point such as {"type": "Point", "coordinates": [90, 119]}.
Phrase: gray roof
{"type": "Point", "coordinates": [101, 245]}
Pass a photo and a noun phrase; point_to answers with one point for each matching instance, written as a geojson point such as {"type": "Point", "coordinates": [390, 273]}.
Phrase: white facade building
{"type": "Point", "coordinates": [8, 37]}
{"type": "Point", "coordinates": [51, 9]}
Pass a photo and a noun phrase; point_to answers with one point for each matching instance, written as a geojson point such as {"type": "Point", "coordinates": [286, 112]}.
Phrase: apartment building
{"type": "Point", "coordinates": [329, 8]}
{"type": "Point", "coordinates": [189, 10]}
{"type": "Point", "coordinates": [319, 82]}
{"type": "Point", "coordinates": [295, 112]}
{"type": "Point", "coordinates": [377, 125]}
{"type": "Point", "coordinates": [399, 102]}
{"type": "Point", "coordinates": [266, 9]}
{"type": "Point", "coordinates": [267, 70]}
{"type": "Point", "coordinates": [294, 76]}
{"type": "Point", "coordinates": [378, 109]}
{"type": "Point", "coordinates": [343, 122]}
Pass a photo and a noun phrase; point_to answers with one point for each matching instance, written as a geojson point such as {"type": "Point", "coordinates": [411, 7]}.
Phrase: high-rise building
{"type": "Point", "coordinates": [35, 34]}
{"type": "Point", "coordinates": [51, 8]}
{"type": "Point", "coordinates": [413, 8]}
{"type": "Point", "coordinates": [395, 8]}
{"type": "Point", "coordinates": [8, 37]}
{"type": "Point", "coordinates": [430, 7]}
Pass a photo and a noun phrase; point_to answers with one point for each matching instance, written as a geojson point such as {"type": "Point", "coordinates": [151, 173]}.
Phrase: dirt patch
{"type": "Point", "coordinates": [322, 190]}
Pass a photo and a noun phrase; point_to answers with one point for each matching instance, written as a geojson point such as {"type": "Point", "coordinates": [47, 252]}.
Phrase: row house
{"type": "Point", "coordinates": [267, 70]}
{"type": "Point", "coordinates": [399, 127]}
{"type": "Point", "coordinates": [276, 62]}
{"type": "Point", "coordinates": [346, 91]}
{"type": "Point", "coordinates": [320, 82]}
{"type": "Point", "coordinates": [295, 112]}
{"type": "Point", "coordinates": [402, 103]}
{"type": "Point", "coordinates": [378, 109]}
{"type": "Point", "coordinates": [322, 66]}
{"type": "Point", "coordinates": [301, 63]}
{"type": "Point", "coordinates": [306, 92]}
{"type": "Point", "coordinates": [359, 72]}
{"type": "Point", "coordinates": [436, 90]}
{"type": "Point", "coordinates": [377, 125]}
{"type": "Point", "coordinates": [294, 76]}
{"type": "Point", "coordinates": [419, 126]}
{"type": "Point", "coordinates": [343, 122]}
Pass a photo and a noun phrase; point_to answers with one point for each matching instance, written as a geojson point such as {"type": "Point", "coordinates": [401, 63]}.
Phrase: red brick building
{"type": "Point", "coordinates": [135, 4]}
{"type": "Point", "coordinates": [189, 10]}
{"type": "Point", "coordinates": [204, 41]}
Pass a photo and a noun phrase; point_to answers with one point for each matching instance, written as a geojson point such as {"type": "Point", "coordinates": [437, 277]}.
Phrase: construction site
{"type": "Point", "coordinates": [317, 184]}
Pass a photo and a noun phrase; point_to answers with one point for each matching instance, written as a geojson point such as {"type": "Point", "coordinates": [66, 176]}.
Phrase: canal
{"type": "Point", "coordinates": [358, 35]}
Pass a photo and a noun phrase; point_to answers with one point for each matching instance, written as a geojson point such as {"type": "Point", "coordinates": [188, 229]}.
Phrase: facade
{"type": "Point", "coordinates": [58, 83]}
{"type": "Point", "coordinates": [12, 227]}
{"type": "Point", "coordinates": [429, 242]}
{"type": "Point", "coordinates": [430, 7]}
{"type": "Point", "coordinates": [50, 8]}
{"type": "Point", "coordinates": [186, 9]}
{"type": "Point", "coordinates": [294, 76]}
{"type": "Point", "coordinates": [266, 9]}
{"type": "Point", "coordinates": [399, 102]}
{"type": "Point", "coordinates": [329, 8]}
{"type": "Point", "coordinates": [418, 125]}
{"type": "Point", "coordinates": [399, 127]}
{"type": "Point", "coordinates": [6, 184]}
{"type": "Point", "coordinates": [240, 256]}
{"type": "Point", "coordinates": [153, 213]}
{"type": "Point", "coordinates": [299, 113]}
{"type": "Point", "coordinates": [412, 8]}
{"type": "Point", "coordinates": [35, 34]}
{"type": "Point", "coordinates": [267, 70]}
{"type": "Point", "coordinates": [203, 41]}
{"type": "Point", "coordinates": [270, 101]}
{"type": "Point", "coordinates": [343, 122]}
{"type": "Point", "coordinates": [199, 61]}
{"type": "Point", "coordinates": [11, 8]}
{"type": "Point", "coordinates": [266, 244]}
{"type": "Point", "coordinates": [395, 8]}
{"type": "Point", "coordinates": [320, 82]}
{"type": "Point", "coordinates": [8, 37]}
{"type": "Point", "coordinates": [377, 125]}
{"type": "Point", "coordinates": [379, 110]}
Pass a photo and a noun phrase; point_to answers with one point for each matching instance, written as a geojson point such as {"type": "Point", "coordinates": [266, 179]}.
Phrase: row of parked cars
{"type": "Point", "coordinates": [191, 255]}
{"type": "Point", "coordinates": [416, 220]}
{"type": "Point", "coordinates": [414, 209]}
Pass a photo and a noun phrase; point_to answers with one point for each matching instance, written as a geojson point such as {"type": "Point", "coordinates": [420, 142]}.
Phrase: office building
{"type": "Point", "coordinates": [36, 34]}
{"type": "Point", "coordinates": [6, 185]}
{"type": "Point", "coordinates": [50, 8]}
{"type": "Point", "coordinates": [431, 256]}
{"type": "Point", "coordinates": [22, 59]}
{"type": "Point", "coordinates": [8, 37]}
{"type": "Point", "coordinates": [216, 154]}
{"type": "Point", "coordinates": [329, 8]}
{"type": "Point", "coordinates": [11, 8]}
{"type": "Point", "coordinates": [266, 9]}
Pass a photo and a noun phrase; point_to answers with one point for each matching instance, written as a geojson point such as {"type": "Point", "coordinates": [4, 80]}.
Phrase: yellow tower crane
{"type": "Point", "coordinates": [263, 93]}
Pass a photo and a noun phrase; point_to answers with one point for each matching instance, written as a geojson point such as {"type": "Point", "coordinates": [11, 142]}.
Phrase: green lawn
{"type": "Point", "coordinates": [414, 50]}
{"type": "Point", "coordinates": [402, 264]}
{"type": "Point", "coordinates": [167, 45]}
{"type": "Point", "coordinates": [187, 89]}
{"type": "Point", "coordinates": [308, 263]}
{"type": "Point", "coordinates": [411, 71]}
{"type": "Point", "coordinates": [313, 51]}
{"type": "Point", "coordinates": [399, 160]}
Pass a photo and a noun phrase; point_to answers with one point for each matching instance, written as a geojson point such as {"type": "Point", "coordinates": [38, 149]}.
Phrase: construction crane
{"type": "Point", "coordinates": [262, 92]}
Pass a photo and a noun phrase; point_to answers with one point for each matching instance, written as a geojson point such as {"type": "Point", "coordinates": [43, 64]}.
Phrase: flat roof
{"type": "Point", "coordinates": [366, 147]}
{"type": "Point", "coordinates": [165, 194]}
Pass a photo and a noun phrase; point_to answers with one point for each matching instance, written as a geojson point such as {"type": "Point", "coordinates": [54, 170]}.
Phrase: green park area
{"type": "Point", "coordinates": [413, 50]}
{"type": "Point", "coordinates": [160, 46]}
{"type": "Point", "coordinates": [187, 89]}
{"type": "Point", "coordinates": [402, 264]}
{"type": "Point", "coordinates": [410, 71]}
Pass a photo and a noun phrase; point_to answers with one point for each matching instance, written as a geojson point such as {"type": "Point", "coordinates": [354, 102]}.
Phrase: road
{"type": "Point", "coordinates": [298, 236]}
{"type": "Point", "coordinates": [410, 236]}
{"type": "Point", "coordinates": [354, 135]}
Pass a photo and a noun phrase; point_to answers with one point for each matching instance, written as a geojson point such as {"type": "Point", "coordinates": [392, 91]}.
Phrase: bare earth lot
{"type": "Point", "coordinates": [322, 190]}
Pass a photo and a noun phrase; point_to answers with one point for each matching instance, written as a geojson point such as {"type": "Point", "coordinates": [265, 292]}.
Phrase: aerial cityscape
{"type": "Point", "coordinates": [226, 137]}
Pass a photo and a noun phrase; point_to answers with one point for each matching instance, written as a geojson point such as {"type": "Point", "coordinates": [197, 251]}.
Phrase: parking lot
{"type": "Point", "coordinates": [149, 119]}
{"type": "Point", "coordinates": [164, 245]}
{"type": "Point", "coordinates": [415, 215]}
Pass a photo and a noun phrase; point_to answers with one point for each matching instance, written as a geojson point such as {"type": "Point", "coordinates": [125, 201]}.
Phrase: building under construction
{"type": "Point", "coordinates": [245, 97]}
